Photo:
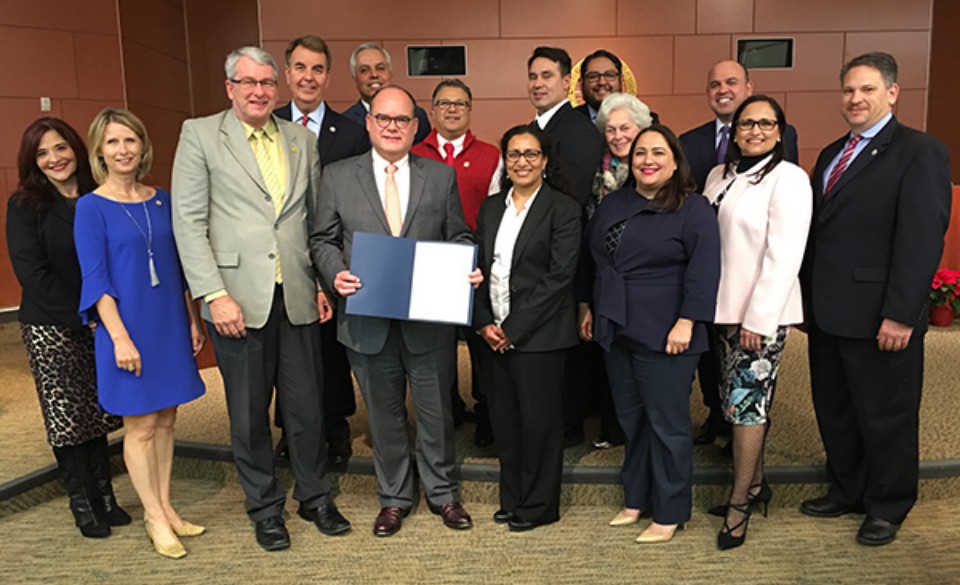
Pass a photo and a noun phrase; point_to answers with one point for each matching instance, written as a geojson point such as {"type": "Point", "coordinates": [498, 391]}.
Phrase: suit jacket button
{"type": "Point", "coordinates": [267, 198]}
{"type": "Point", "coordinates": [271, 256]}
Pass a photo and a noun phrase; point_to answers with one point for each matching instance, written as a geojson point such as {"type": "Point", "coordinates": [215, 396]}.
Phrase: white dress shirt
{"type": "Point", "coordinates": [503, 246]}
{"type": "Point", "coordinates": [544, 118]}
{"type": "Point", "coordinates": [402, 177]}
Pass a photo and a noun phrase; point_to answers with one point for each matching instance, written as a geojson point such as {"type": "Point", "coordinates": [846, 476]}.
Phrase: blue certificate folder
{"type": "Point", "coordinates": [412, 280]}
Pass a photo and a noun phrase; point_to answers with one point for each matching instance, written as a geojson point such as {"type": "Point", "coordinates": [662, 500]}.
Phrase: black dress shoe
{"type": "Point", "coordinates": [877, 532]}
{"type": "Point", "coordinates": [339, 449]}
{"type": "Point", "coordinates": [272, 534]}
{"type": "Point", "coordinates": [328, 519]}
{"type": "Point", "coordinates": [281, 451]}
{"type": "Point", "coordinates": [517, 525]}
{"type": "Point", "coordinates": [502, 516]}
{"type": "Point", "coordinates": [389, 521]}
{"type": "Point", "coordinates": [824, 507]}
{"type": "Point", "coordinates": [483, 436]}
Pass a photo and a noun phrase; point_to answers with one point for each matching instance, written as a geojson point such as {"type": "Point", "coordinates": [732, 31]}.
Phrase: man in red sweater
{"type": "Point", "coordinates": [478, 168]}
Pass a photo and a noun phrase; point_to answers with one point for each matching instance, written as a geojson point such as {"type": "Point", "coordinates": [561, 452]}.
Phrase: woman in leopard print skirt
{"type": "Point", "coordinates": [54, 171]}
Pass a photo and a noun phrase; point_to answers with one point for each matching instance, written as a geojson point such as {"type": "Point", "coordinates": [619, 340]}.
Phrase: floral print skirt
{"type": "Point", "coordinates": [748, 377]}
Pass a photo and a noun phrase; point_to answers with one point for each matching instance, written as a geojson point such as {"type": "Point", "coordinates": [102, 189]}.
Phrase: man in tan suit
{"type": "Point", "coordinates": [244, 186]}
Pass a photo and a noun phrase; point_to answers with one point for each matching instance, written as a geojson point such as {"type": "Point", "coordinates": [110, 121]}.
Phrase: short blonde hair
{"type": "Point", "coordinates": [95, 139]}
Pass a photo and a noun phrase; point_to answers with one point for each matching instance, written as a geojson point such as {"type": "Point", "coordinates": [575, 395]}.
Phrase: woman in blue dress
{"type": "Point", "coordinates": [150, 331]}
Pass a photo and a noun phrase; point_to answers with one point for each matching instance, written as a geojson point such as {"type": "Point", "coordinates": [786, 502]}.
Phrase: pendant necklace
{"type": "Point", "coordinates": [148, 239]}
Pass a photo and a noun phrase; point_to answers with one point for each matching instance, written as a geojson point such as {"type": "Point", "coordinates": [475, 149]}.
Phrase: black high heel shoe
{"type": "Point", "coordinates": [763, 496]}
{"type": "Point", "coordinates": [725, 539]}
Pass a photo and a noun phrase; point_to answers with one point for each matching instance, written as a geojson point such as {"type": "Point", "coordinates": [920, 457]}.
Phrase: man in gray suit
{"type": "Point", "coordinates": [244, 189]}
{"type": "Point", "coordinates": [389, 191]}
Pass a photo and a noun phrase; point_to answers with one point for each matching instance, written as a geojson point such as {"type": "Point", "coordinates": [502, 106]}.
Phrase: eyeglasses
{"type": "Point", "coordinates": [384, 121]}
{"type": "Point", "coordinates": [452, 105]}
{"type": "Point", "coordinates": [594, 76]}
{"type": "Point", "coordinates": [248, 84]}
{"type": "Point", "coordinates": [764, 124]}
{"type": "Point", "coordinates": [530, 155]}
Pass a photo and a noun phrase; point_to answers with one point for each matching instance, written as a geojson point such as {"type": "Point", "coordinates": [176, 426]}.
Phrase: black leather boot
{"type": "Point", "coordinates": [72, 465]}
{"type": "Point", "coordinates": [100, 488]}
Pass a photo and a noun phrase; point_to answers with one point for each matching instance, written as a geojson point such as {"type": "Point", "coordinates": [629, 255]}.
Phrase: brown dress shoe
{"type": "Point", "coordinates": [454, 516]}
{"type": "Point", "coordinates": [388, 521]}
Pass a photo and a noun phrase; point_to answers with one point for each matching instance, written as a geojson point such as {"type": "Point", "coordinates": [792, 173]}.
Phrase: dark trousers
{"type": "Point", "coordinates": [527, 418]}
{"type": "Point", "coordinates": [586, 388]}
{"type": "Point", "coordinates": [339, 401]}
{"type": "Point", "coordinates": [868, 403]}
{"type": "Point", "coordinates": [708, 373]}
{"type": "Point", "coordinates": [651, 392]}
{"type": "Point", "coordinates": [383, 378]}
{"type": "Point", "coordinates": [279, 355]}
{"type": "Point", "coordinates": [475, 344]}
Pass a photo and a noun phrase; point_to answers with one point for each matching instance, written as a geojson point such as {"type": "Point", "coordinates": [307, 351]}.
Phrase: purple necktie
{"type": "Point", "coordinates": [724, 142]}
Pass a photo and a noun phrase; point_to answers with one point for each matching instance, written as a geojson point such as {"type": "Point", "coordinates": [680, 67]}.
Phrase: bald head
{"type": "Point", "coordinates": [728, 84]}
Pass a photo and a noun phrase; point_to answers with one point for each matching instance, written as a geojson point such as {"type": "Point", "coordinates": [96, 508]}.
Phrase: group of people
{"type": "Point", "coordinates": [615, 260]}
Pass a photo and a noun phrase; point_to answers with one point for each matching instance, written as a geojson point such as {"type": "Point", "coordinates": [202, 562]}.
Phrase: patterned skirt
{"type": "Point", "coordinates": [748, 378]}
{"type": "Point", "coordinates": [64, 370]}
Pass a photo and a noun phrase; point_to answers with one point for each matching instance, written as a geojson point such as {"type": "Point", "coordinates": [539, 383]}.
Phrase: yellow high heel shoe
{"type": "Point", "coordinates": [188, 529]}
{"type": "Point", "coordinates": [624, 519]}
{"type": "Point", "coordinates": [173, 550]}
{"type": "Point", "coordinates": [648, 536]}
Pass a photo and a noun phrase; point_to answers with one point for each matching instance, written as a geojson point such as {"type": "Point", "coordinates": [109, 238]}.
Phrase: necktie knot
{"type": "Point", "coordinates": [448, 150]}
{"type": "Point", "coordinates": [391, 169]}
{"type": "Point", "coordinates": [305, 119]}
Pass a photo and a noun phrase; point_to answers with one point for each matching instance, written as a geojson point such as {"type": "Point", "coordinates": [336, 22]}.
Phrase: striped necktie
{"type": "Point", "coordinates": [841, 165]}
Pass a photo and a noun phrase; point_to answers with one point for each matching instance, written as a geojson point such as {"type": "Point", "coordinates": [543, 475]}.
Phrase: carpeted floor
{"type": "Point", "coordinates": [40, 544]}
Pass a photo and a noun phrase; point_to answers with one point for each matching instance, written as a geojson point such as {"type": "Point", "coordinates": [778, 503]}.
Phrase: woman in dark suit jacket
{"type": "Point", "coordinates": [655, 252]}
{"type": "Point", "coordinates": [54, 172]}
{"type": "Point", "coordinates": [529, 237]}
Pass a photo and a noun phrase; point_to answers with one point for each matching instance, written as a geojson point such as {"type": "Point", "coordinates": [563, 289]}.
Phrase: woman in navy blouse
{"type": "Point", "coordinates": [655, 255]}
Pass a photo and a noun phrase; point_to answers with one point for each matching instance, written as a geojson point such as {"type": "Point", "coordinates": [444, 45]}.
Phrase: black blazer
{"type": "Point", "coordinates": [542, 307]}
{"type": "Point", "coordinates": [875, 242]}
{"type": "Point", "coordinates": [44, 258]}
{"type": "Point", "coordinates": [700, 148]}
{"type": "Point", "coordinates": [339, 138]}
{"type": "Point", "coordinates": [579, 147]}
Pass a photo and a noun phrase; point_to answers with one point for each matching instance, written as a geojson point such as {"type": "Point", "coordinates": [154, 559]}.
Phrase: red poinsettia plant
{"type": "Point", "coordinates": [944, 288]}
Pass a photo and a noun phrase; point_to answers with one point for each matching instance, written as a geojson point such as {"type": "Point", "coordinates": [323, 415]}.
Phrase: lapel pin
{"type": "Point", "coordinates": [466, 164]}
{"type": "Point", "coordinates": [159, 202]}
{"type": "Point", "coordinates": [873, 152]}
{"type": "Point", "coordinates": [293, 149]}
{"type": "Point", "coordinates": [332, 129]}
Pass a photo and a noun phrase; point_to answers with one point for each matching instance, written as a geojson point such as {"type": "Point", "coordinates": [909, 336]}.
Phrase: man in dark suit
{"type": "Point", "coordinates": [307, 74]}
{"type": "Point", "coordinates": [389, 191]}
{"type": "Point", "coordinates": [601, 73]}
{"type": "Point", "coordinates": [728, 84]}
{"type": "Point", "coordinates": [881, 206]}
{"type": "Point", "coordinates": [245, 184]}
{"type": "Point", "coordinates": [372, 69]}
{"type": "Point", "coordinates": [579, 148]}
{"type": "Point", "coordinates": [577, 143]}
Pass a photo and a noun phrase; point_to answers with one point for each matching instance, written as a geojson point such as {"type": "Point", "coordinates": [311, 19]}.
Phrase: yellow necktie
{"type": "Point", "coordinates": [391, 201]}
{"type": "Point", "coordinates": [271, 178]}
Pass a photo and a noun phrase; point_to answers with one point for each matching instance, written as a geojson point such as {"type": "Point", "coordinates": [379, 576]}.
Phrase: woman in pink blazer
{"type": "Point", "coordinates": [763, 204]}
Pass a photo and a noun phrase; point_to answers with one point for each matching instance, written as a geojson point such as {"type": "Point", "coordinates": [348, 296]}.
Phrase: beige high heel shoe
{"type": "Point", "coordinates": [172, 550]}
{"type": "Point", "coordinates": [623, 518]}
{"type": "Point", "coordinates": [189, 529]}
{"type": "Point", "coordinates": [648, 536]}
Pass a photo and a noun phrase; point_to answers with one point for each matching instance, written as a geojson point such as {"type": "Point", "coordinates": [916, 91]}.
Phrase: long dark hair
{"type": "Point", "coordinates": [34, 190]}
{"type": "Point", "coordinates": [779, 150]}
{"type": "Point", "coordinates": [675, 191]}
{"type": "Point", "coordinates": [554, 175]}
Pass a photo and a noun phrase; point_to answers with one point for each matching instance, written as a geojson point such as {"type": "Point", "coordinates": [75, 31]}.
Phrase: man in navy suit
{"type": "Point", "coordinates": [372, 68]}
{"type": "Point", "coordinates": [881, 206]}
{"type": "Point", "coordinates": [728, 84]}
{"type": "Point", "coordinates": [308, 74]}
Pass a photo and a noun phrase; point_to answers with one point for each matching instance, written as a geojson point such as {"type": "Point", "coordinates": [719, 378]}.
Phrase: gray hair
{"type": "Point", "coordinates": [364, 47]}
{"type": "Point", "coordinates": [623, 101]}
{"type": "Point", "coordinates": [256, 54]}
{"type": "Point", "coordinates": [882, 62]}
